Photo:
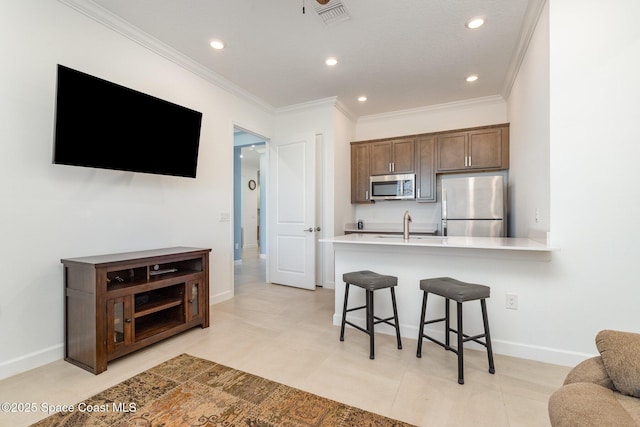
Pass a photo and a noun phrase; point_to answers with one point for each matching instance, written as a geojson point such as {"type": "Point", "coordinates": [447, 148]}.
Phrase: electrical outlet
{"type": "Point", "coordinates": [511, 301]}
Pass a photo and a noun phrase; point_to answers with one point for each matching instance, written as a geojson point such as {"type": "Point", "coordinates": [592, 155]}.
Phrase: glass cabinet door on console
{"type": "Point", "coordinates": [119, 323]}
{"type": "Point", "coordinates": [194, 306]}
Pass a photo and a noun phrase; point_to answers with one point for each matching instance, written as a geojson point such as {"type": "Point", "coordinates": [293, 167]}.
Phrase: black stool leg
{"type": "Point", "coordinates": [370, 321]}
{"type": "Point", "coordinates": [421, 326]}
{"type": "Point", "coordinates": [460, 344]}
{"type": "Point", "coordinates": [395, 317]}
{"type": "Point", "coordinates": [344, 310]}
{"type": "Point", "coordinates": [487, 336]}
{"type": "Point", "coordinates": [447, 324]}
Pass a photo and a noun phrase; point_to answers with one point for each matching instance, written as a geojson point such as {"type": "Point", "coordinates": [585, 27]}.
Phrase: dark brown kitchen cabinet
{"type": "Point", "coordinates": [475, 149]}
{"type": "Point", "coordinates": [425, 169]}
{"type": "Point", "coordinates": [478, 149]}
{"type": "Point", "coordinates": [360, 172]}
{"type": "Point", "coordinates": [392, 156]}
{"type": "Point", "coordinates": [119, 303]}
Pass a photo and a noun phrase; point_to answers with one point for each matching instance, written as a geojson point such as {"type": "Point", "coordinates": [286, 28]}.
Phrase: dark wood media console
{"type": "Point", "coordinates": [119, 303]}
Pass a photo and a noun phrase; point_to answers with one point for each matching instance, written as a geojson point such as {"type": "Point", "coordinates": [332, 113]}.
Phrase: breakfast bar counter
{"type": "Point", "coordinates": [459, 242]}
{"type": "Point", "coordinates": [506, 265]}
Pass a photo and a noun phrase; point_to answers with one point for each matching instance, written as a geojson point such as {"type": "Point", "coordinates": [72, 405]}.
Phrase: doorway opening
{"type": "Point", "coordinates": [249, 185]}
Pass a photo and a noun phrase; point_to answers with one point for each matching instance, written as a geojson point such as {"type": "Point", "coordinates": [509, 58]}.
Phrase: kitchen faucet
{"type": "Point", "coordinates": [407, 220]}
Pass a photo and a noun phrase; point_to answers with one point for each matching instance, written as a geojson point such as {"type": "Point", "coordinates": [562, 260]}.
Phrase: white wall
{"type": "Point", "coordinates": [455, 115]}
{"type": "Point", "coordinates": [340, 181]}
{"type": "Point", "coordinates": [51, 211]}
{"type": "Point", "coordinates": [594, 174]}
{"type": "Point", "coordinates": [529, 131]}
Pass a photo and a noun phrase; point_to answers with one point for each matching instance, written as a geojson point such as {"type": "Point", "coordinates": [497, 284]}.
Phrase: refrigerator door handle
{"type": "Point", "coordinates": [444, 204]}
{"type": "Point", "coordinates": [444, 212]}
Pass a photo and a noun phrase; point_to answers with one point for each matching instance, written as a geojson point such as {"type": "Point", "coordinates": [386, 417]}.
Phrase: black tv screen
{"type": "Point", "coordinates": [101, 124]}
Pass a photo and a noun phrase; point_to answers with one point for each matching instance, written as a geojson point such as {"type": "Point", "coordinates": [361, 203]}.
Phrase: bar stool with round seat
{"type": "Point", "coordinates": [370, 282]}
{"type": "Point", "coordinates": [460, 292]}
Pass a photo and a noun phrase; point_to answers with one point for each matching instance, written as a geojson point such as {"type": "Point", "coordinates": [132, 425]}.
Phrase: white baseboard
{"type": "Point", "coordinates": [30, 361]}
{"type": "Point", "coordinates": [329, 284]}
{"type": "Point", "coordinates": [223, 296]}
{"type": "Point", "coordinates": [506, 348]}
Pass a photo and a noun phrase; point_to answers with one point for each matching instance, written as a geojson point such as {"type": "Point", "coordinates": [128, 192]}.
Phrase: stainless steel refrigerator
{"type": "Point", "coordinates": [474, 206]}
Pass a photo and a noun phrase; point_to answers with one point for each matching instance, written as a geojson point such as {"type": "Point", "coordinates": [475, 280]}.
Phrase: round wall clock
{"type": "Point", "coordinates": [252, 185]}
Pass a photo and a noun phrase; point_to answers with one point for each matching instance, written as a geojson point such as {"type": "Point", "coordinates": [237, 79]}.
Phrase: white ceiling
{"type": "Point", "coordinates": [401, 54]}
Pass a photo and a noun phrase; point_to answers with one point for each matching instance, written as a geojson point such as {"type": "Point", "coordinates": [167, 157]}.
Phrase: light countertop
{"type": "Point", "coordinates": [370, 227]}
{"type": "Point", "coordinates": [460, 242]}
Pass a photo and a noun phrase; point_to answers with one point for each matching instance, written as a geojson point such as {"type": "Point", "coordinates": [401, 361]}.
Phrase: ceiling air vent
{"type": "Point", "coordinates": [333, 12]}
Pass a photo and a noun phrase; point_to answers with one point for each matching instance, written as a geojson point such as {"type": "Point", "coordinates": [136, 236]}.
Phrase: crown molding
{"type": "Point", "coordinates": [117, 24]}
{"type": "Point", "coordinates": [346, 111]}
{"type": "Point", "coordinates": [531, 17]}
{"type": "Point", "coordinates": [324, 102]}
{"type": "Point", "coordinates": [494, 99]}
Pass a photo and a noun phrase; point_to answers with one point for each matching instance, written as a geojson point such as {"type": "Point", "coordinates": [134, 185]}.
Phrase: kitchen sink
{"type": "Point", "coordinates": [382, 236]}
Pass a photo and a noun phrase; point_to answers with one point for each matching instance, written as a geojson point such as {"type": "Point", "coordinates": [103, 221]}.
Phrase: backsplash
{"type": "Point", "coordinates": [392, 212]}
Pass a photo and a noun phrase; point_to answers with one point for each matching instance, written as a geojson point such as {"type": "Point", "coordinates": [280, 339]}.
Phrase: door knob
{"type": "Point", "coordinates": [310, 230]}
{"type": "Point", "coordinates": [318, 228]}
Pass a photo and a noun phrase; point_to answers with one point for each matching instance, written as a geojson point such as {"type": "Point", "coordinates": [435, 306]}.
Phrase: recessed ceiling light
{"type": "Point", "coordinates": [217, 44]}
{"type": "Point", "coordinates": [476, 22]}
{"type": "Point", "coordinates": [331, 62]}
{"type": "Point", "coordinates": [362, 98]}
{"type": "Point", "coordinates": [472, 78]}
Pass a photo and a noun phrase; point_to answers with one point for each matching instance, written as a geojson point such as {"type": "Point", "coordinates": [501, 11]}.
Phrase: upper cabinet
{"type": "Point", "coordinates": [478, 149]}
{"type": "Point", "coordinates": [474, 149]}
{"type": "Point", "coordinates": [425, 169]}
{"type": "Point", "coordinates": [360, 172]}
{"type": "Point", "coordinates": [392, 156]}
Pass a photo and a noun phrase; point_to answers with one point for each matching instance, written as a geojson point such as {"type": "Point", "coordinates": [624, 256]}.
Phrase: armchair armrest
{"type": "Point", "coordinates": [590, 371]}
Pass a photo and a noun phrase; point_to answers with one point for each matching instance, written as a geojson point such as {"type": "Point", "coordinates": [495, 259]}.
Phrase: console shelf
{"type": "Point", "coordinates": [156, 306]}
{"type": "Point", "coordinates": [119, 303]}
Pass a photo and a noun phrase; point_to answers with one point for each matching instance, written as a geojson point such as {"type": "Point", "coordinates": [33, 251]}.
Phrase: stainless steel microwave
{"type": "Point", "coordinates": [393, 187]}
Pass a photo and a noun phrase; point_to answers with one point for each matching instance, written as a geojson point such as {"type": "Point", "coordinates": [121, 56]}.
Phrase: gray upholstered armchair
{"type": "Point", "coordinates": [603, 390]}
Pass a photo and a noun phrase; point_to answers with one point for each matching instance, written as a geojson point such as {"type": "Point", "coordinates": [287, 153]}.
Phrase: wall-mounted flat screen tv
{"type": "Point", "coordinates": [101, 124]}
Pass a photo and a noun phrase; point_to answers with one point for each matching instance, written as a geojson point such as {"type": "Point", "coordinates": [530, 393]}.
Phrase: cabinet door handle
{"type": "Point", "coordinates": [318, 229]}
{"type": "Point", "coordinates": [366, 195]}
{"type": "Point", "coordinates": [470, 161]}
{"type": "Point", "coordinates": [127, 320]}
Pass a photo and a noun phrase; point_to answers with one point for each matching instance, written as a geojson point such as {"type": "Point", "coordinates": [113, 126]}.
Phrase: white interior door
{"type": "Point", "coordinates": [292, 199]}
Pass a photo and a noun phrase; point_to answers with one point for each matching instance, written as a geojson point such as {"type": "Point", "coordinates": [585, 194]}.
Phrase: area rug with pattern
{"type": "Point", "coordinates": [190, 391]}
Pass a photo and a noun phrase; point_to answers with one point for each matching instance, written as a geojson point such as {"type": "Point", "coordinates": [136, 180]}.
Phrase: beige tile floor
{"type": "Point", "coordinates": [285, 334]}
